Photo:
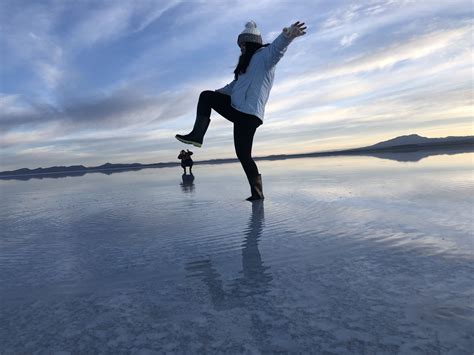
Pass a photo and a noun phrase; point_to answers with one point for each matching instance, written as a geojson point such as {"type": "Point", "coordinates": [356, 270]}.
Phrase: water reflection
{"type": "Point", "coordinates": [417, 155]}
{"type": "Point", "coordinates": [187, 185]}
{"type": "Point", "coordinates": [254, 279]}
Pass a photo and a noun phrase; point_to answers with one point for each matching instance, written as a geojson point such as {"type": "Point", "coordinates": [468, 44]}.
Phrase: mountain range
{"type": "Point", "coordinates": [415, 139]}
{"type": "Point", "coordinates": [403, 144]}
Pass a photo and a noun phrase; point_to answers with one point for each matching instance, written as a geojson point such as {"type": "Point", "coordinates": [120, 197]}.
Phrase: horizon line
{"type": "Point", "coordinates": [397, 148]}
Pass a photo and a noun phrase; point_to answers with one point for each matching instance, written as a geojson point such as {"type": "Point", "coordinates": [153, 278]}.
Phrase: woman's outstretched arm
{"type": "Point", "coordinates": [275, 51]}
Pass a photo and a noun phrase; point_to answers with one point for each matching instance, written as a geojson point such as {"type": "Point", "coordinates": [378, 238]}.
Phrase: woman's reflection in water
{"type": "Point", "coordinates": [254, 279]}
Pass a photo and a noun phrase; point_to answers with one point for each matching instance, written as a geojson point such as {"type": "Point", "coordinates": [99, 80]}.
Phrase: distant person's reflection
{"type": "Point", "coordinates": [254, 277]}
{"type": "Point", "coordinates": [187, 185]}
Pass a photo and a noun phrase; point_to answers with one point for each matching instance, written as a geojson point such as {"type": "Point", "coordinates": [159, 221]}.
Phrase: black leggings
{"type": "Point", "coordinates": [245, 126]}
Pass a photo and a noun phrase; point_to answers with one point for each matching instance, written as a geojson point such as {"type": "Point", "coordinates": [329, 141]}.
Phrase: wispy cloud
{"type": "Point", "coordinates": [106, 21]}
{"type": "Point", "coordinates": [411, 50]}
{"type": "Point", "coordinates": [348, 39]}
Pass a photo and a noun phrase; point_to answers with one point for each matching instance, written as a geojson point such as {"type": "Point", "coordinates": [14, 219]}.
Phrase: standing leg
{"type": "Point", "coordinates": [243, 140]}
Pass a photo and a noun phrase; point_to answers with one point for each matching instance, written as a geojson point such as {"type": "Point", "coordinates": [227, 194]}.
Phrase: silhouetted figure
{"type": "Point", "coordinates": [186, 161]}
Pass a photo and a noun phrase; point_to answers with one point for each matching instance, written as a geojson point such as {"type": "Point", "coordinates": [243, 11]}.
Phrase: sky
{"type": "Point", "coordinates": [89, 82]}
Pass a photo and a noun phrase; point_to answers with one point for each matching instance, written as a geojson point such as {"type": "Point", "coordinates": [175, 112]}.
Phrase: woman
{"type": "Point", "coordinates": [243, 100]}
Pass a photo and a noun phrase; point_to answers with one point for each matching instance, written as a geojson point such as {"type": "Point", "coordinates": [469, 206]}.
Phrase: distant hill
{"type": "Point", "coordinates": [415, 139]}
{"type": "Point", "coordinates": [403, 144]}
{"type": "Point", "coordinates": [78, 170]}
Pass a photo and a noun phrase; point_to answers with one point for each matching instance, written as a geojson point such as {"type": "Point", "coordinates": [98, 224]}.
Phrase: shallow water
{"type": "Point", "coordinates": [345, 255]}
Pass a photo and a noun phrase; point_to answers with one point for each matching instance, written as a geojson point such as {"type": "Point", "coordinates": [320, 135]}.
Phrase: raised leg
{"type": "Point", "coordinates": [208, 100]}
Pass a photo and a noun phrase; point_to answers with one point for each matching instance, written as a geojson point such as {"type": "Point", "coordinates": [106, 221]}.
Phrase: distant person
{"type": "Point", "coordinates": [186, 161]}
{"type": "Point", "coordinates": [243, 100]}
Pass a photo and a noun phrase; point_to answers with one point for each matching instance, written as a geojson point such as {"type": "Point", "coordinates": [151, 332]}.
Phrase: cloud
{"type": "Point", "coordinates": [367, 18]}
{"type": "Point", "coordinates": [17, 111]}
{"type": "Point", "coordinates": [121, 108]}
{"type": "Point", "coordinates": [411, 50]}
{"type": "Point", "coordinates": [113, 21]}
{"type": "Point", "coordinates": [14, 140]}
{"type": "Point", "coordinates": [116, 19]}
{"type": "Point", "coordinates": [408, 108]}
{"type": "Point", "coordinates": [28, 41]}
{"type": "Point", "coordinates": [342, 15]}
{"type": "Point", "coordinates": [42, 52]}
{"type": "Point", "coordinates": [413, 79]}
{"type": "Point", "coordinates": [348, 39]}
{"type": "Point", "coordinates": [50, 73]}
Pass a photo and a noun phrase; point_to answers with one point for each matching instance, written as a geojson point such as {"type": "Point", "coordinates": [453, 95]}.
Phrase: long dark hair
{"type": "Point", "coordinates": [244, 59]}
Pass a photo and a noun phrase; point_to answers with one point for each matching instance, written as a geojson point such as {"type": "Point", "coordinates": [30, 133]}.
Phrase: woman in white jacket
{"type": "Point", "coordinates": [243, 100]}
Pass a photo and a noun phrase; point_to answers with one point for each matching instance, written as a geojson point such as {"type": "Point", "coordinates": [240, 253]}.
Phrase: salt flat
{"type": "Point", "coordinates": [345, 255]}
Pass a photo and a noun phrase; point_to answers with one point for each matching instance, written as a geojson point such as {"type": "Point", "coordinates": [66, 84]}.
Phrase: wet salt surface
{"type": "Point", "coordinates": [345, 255]}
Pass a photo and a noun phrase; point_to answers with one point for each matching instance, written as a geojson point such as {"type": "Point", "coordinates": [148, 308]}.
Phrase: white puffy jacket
{"type": "Point", "coordinates": [250, 92]}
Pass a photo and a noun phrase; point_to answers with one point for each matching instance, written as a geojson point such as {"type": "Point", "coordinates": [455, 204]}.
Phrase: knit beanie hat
{"type": "Point", "coordinates": [250, 34]}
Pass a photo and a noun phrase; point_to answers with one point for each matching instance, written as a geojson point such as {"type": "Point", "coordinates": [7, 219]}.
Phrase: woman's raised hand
{"type": "Point", "coordinates": [295, 30]}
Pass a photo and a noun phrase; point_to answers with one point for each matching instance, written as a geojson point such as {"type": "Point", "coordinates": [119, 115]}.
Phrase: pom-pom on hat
{"type": "Point", "coordinates": [250, 34]}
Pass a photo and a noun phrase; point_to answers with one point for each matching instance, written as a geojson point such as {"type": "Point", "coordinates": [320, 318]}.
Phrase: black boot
{"type": "Point", "coordinates": [256, 188]}
{"type": "Point", "coordinates": [197, 134]}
